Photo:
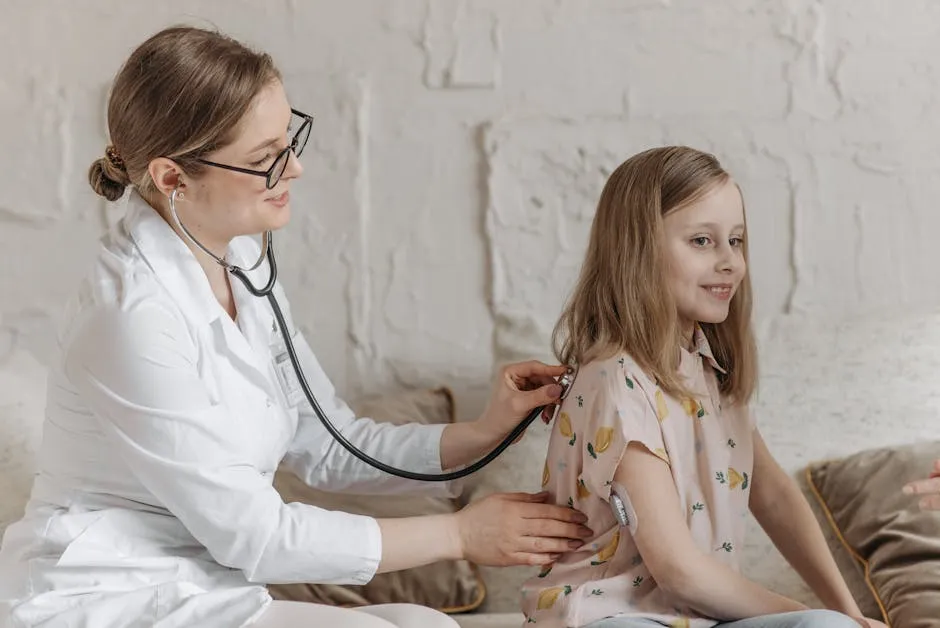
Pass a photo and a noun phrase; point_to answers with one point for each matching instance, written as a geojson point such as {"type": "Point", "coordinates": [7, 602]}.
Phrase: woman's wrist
{"type": "Point", "coordinates": [415, 541]}
{"type": "Point", "coordinates": [466, 442]}
{"type": "Point", "coordinates": [453, 538]}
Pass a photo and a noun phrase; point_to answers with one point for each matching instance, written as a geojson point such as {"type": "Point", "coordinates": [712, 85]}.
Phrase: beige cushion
{"type": "Point", "coordinates": [848, 565]}
{"type": "Point", "coordinates": [896, 545]}
{"type": "Point", "coordinates": [449, 586]}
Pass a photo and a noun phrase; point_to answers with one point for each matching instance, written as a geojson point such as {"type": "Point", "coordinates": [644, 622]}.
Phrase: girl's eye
{"type": "Point", "coordinates": [736, 242]}
{"type": "Point", "coordinates": [701, 241]}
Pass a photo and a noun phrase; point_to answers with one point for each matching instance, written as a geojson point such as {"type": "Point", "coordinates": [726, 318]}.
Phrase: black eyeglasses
{"type": "Point", "coordinates": [273, 174]}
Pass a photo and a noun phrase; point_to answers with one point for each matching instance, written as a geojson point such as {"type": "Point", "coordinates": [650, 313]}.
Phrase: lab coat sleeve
{"type": "Point", "coordinates": [320, 461]}
{"type": "Point", "coordinates": [316, 458]}
{"type": "Point", "coordinates": [136, 368]}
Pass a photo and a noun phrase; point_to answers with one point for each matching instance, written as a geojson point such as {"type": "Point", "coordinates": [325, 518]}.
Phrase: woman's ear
{"type": "Point", "coordinates": [166, 175]}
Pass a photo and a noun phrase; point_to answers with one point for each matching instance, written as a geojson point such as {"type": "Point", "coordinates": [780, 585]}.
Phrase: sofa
{"type": "Point", "coordinates": [828, 390]}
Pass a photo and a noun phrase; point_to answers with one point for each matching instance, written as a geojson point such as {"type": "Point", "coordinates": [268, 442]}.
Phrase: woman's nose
{"type": "Point", "coordinates": [294, 167]}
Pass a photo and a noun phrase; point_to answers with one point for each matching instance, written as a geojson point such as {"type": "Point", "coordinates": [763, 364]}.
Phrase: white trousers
{"type": "Point", "coordinates": [282, 614]}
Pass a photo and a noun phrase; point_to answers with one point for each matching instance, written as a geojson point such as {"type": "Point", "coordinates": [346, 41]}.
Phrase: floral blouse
{"type": "Point", "coordinates": [709, 449]}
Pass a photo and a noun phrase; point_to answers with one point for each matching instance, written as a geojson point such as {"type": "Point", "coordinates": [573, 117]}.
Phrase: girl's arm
{"type": "Point", "coordinates": [689, 576]}
{"type": "Point", "coordinates": [782, 511]}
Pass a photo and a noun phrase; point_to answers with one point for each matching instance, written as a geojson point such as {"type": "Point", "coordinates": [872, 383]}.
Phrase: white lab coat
{"type": "Point", "coordinates": [165, 422]}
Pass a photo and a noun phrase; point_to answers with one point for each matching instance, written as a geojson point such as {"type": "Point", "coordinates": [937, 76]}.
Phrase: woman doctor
{"type": "Point", "coordinates": [153, 504]}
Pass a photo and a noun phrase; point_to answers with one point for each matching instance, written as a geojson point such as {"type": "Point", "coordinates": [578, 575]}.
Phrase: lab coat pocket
{"type": "Point", "coordinates": [97, 543]}
{"type": "Point", "coordinates": [128, 539]}
{"type": "Point", "coordinates": [66, 529]}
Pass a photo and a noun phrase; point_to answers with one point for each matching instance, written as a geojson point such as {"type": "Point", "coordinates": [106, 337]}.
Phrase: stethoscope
{"type": "Point", "coordinates": [267, 252]}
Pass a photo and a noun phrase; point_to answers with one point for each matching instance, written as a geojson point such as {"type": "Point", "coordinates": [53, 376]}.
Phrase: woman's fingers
{"type": "Point", "coordinates": [532, 374]}
{"type": "Point", "coordinates": [534, 368]}
{"type": "Point", "coordinates": [931, 502]}
{"type": "Point", "coordinates": [545, 545]}
{"type": "Point", "coordinates": [551, 528]}
{"type": "Point", "coordinates": [930, 488]}
{"type": "Point", "coordinates": [519, 529]}
{"type": "Point", "coordinates": [535, 498]}
{"type": "Point", "coordinates": [936, 469]}
{"type": "Point", "coordinates": [521, 558]}
{"type": "Point", "coordinates": [554, 512]}
{"type": "Point", "coordinates": [923, 487]}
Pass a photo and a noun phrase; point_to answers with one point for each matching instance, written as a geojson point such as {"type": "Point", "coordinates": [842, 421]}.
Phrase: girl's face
{"type": "Point", "coordinates": [704, 243]}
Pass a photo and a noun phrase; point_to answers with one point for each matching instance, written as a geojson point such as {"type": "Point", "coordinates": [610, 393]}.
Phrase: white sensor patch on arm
{"type": "Point", "coordinates": [622, 508]}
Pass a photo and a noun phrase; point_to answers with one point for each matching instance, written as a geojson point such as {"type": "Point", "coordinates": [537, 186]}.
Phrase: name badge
{"type": "Point", "coordinates": [284, 369]}
{"type": "Point", "coordinates": [286, 377]}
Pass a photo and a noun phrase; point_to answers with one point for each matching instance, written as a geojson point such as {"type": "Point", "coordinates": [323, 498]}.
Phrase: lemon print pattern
{"type": "Point", "coordinates": [736, 479]}
{"type": "Point", "coordinates": [604, 436]}
{"type": "Point", "coordinates": [546, 475]}
{"type": "Point", "coordinates": [693, 408]}
{"type": "Point", "coordinates": [548, 597]}
{"type": "Point", "coordinates": [602, 440]}
{"type": "Point", "coordinates": [661, 410]}
{"type": "Point", "coordinates": [608, 551]}
{"type": "Point", "coordinates": [682, 622]}
{"type": "Point", "coordinates": [564, 426]}
{"type": "Point", "coordinates": [583, 490]}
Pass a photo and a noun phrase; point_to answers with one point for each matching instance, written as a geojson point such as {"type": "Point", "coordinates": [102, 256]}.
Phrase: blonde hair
{"type": "Point", "coordinates": [181, 94]}
{"type": "Point", "coordinates": [620, 302]}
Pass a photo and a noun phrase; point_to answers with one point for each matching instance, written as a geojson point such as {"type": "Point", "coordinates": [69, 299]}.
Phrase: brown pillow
{"type": "Point", "coordinates": [852, 571]}
{"type": "Point", "coordinates": [896, 544]}
{"type": "Point", "coordinates": [448, 586]}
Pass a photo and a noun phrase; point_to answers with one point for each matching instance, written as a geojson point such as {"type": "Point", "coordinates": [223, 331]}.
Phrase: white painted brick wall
{"type": "Point", "coordinates": [460, 147]}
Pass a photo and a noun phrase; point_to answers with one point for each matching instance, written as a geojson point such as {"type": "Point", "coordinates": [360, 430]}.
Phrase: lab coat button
{"type": "Point", "coordinates": [269, 402]}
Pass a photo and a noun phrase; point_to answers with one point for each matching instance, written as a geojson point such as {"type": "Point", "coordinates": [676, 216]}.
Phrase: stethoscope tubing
{"type": "Point", "coordinates": [268, 292]}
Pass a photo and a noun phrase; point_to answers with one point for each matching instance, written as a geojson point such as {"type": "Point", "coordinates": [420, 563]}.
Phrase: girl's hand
{"type": "Point", "coordinates": [929, 488]}
{"type": "Point", "coordinates": [865, 622]}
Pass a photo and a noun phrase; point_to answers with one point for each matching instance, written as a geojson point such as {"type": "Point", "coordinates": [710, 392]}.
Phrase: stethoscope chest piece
{"type": "Point", "coordinates": [566, 381]}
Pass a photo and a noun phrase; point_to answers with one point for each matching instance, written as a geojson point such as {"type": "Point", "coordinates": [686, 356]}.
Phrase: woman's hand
{"type": "Point", "coordinates": [518, 529]}
{"type": "Point", "coordinates": [930, 488]}
{"type": "Point", "coordinates": [520, 388]}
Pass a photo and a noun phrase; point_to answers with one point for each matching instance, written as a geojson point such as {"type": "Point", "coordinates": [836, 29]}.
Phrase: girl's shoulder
{"type": "Point", "coordinates": [617, 383]}
{"type": "Point", "coordinates": [620, 368]}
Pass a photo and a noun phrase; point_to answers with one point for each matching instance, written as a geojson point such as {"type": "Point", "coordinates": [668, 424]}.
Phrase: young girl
{"type": "Point", "coordinates": [659, 327]}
